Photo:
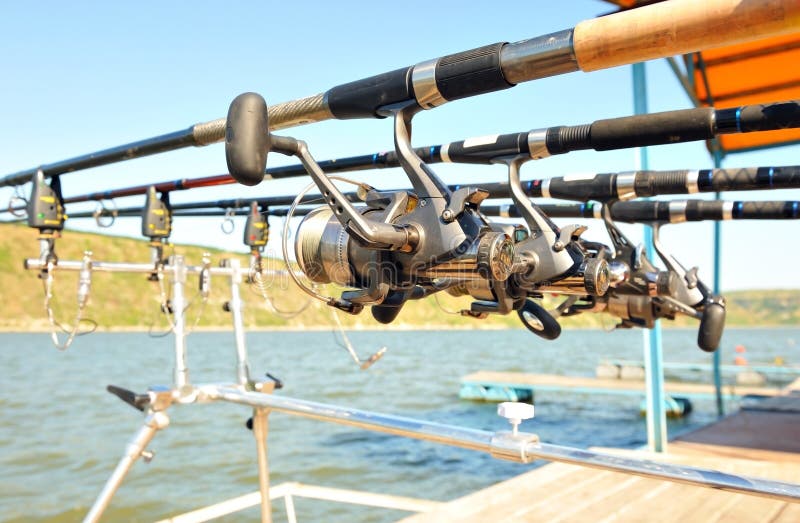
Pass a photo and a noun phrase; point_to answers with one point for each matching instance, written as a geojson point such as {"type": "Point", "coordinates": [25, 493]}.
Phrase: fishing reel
{"type": "Point", "coordinates": [401, 245]}
{"type": "Point", "coordinates": [548, 259]}
{"type": "Point", "coordinates": [649, 294]}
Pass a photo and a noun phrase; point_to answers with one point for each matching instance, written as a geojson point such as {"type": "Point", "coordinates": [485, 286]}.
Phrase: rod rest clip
{"type": "Point", "coordinates": [155, 399]}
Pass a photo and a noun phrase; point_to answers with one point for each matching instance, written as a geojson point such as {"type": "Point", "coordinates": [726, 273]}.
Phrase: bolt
{"type": "Point", "coordinates": [558, 246]}
{"type": "Point", "coordinates": [148, 455]}
{"type": "Point", "coordinates": [515, 412]}
{"type": "Point", "coordinates": [448, 215]}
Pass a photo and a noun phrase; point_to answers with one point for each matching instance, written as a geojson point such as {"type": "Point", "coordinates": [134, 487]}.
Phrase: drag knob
{"type": "Point", "coordinates": [596, 276]}
{"type": "Point", "coordinates": [495, 256]}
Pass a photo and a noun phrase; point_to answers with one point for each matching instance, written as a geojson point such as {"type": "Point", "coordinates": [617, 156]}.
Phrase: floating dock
{"type": "Point", "coordinates": [762, 440]}
{"type": "Point", "coordinates": [764, 368]}
{"type": "Point", "coordinates": [518, 386]}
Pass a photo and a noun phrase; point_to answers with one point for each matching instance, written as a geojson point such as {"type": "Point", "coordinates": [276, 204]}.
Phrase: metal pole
{"type": "Point", "coordinates": [178, 276]}
{"type": "Point", "coordinates": [154, 422]}
{"type": "Point", "coordinates": [260, 430]}
{"type": "Point", "coordinates": [717, 357]}
{"type": "Point", "coordinates": [653, 360]}
{"type": "Point", "coordinates": [235, 306]}
{"type": "Point", "coordinates": [522, 448]}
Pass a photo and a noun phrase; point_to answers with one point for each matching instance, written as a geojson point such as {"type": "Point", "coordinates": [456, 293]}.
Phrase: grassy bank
{"type": "Point", "coordinates": [129, 301]}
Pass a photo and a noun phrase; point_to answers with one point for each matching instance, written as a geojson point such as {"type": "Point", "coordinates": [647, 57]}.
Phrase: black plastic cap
{"type": "Point", "coordinates": [247, 139]}
{"type": "Point", "coordinates": [711, 326]}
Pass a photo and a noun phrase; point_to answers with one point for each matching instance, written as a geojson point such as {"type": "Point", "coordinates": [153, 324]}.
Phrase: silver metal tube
{"type": "Point", "coordinates": [97, 266]}
{"type": "Point", "coordinates": [145, 268]}
{"type": "Point", "coordinates": [154, 422]}
{"type": "Point", "coordinates": [235, 306]}
{"type": "Point", "coordinates": [177, 272]}
{"type": "Point", "coordinates": [396, 425]}
{"type": "Point", "coordinates": [525, 450]}
{"type": "Point", "coordinates": [539, 57]}
{"type": "Point", "coordinates": [260, 431]}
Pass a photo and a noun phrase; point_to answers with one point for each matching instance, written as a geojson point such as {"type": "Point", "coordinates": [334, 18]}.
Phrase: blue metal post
{"type": "Point", "coordinates": [717, 249]}
{"type": "Point", "coordinates": [653, 360]}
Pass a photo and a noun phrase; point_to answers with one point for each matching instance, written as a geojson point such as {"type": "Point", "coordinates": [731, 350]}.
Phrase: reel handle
{"type": "Point", "coordinates": [247, 138]}
{"type": "Point", "coordinates": [712, 323]}
{"type": "Point", "coordinates": [546, 327]}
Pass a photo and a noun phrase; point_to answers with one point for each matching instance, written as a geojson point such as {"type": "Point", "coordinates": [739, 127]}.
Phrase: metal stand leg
{"type": "Point", "coordinates": [260, 429]}
{"type": "Point", "coordinates": [154, 422]}
{"type": "Point", "coordinates": [178, 275]}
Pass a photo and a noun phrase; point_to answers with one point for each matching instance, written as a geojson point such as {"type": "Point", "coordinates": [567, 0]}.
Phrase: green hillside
{"type": "Point", "coordinates": [130, 301]}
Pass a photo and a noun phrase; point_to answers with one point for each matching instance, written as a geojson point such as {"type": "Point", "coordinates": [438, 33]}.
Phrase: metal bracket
{"type": "Point", "coordinates": [460, 199]}
{"type": "Point", "coordinates": [567, 234]}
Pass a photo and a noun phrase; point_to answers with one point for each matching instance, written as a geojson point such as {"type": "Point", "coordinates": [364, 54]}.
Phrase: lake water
{"type": "Point", "coordinates": [61, 434]}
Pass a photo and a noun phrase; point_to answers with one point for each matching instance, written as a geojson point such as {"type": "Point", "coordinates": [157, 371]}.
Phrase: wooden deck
{"type": "Point", "coordinates": [552, 382]}
{"type": "Point", "coordinates": [762, 441]}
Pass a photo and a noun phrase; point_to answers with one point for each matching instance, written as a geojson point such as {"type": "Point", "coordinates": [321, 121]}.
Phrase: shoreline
{"type": "Point", "coordinates": [355, 328]}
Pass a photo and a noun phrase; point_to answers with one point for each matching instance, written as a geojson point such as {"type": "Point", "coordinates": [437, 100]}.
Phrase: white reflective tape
{"type": "Point", "coordinates": [546, 188]}
{"type": "Point", "coordinates": [597, 210]}
{"type": "Point", "coordinates": [691, 182]}
{"type": "Point", "coordinates": [505, 211]}
{"type": "Point", "coordinates": [443, 152]}
{"type": "Point", "coordinates": [625, 186]}
{"type": "Point", "coordinates": [727, 211]}
{"type": "Point", "coordinates": [481, 140]}
{"type": "Point", "coordinates": [677, 211]}
{"type": "Point", "coordinates": [577, 177]}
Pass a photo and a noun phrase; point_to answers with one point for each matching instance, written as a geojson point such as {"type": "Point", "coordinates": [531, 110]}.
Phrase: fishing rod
{"type": "Point", "coordinates": [671, 211]}
{"type": "Point", "coordinates": [617, 39]}
{"type": "Point", "coordinates": [629, 131]}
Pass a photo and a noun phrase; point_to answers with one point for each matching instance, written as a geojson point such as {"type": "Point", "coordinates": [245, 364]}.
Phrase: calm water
{"type": "Point", "coordinates": [61, 434]}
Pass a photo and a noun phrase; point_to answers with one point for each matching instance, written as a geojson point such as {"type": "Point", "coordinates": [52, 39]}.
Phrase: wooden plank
{"type": "Point", "coordinates": [754, 431]}
{"type": "Point", "coordinates": [590, 384]}
{"type": "Point", "coordinates": [749, 509]}
{"type": "Point", "coordinates": [487, 504]}
{"type": "Point", "coordinates": [613, 495]}
{"type": "Point", "coordinates": [547, 508]}
{"type": "Point", "coordinates": [789, 514]}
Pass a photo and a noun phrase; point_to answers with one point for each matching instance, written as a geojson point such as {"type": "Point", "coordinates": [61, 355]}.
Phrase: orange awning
{"type": "Point", "coordinates": [757, 72]}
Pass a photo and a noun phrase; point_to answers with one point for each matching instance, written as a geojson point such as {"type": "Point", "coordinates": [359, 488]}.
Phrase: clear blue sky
{"type": "Point", "coordinates": [82, 76]}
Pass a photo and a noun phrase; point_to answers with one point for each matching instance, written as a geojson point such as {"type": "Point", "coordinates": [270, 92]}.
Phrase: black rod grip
{"type": "Point", "coordinates": [653, 129]}
{"type": "Point", "coordinates": [470, 73]}
{"type": "Point", "coordinates": [363, 98]}
{"type": "Point", "coordinates": [484, 150]}
{"type": "Point", "coordinates": [581, 188]}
